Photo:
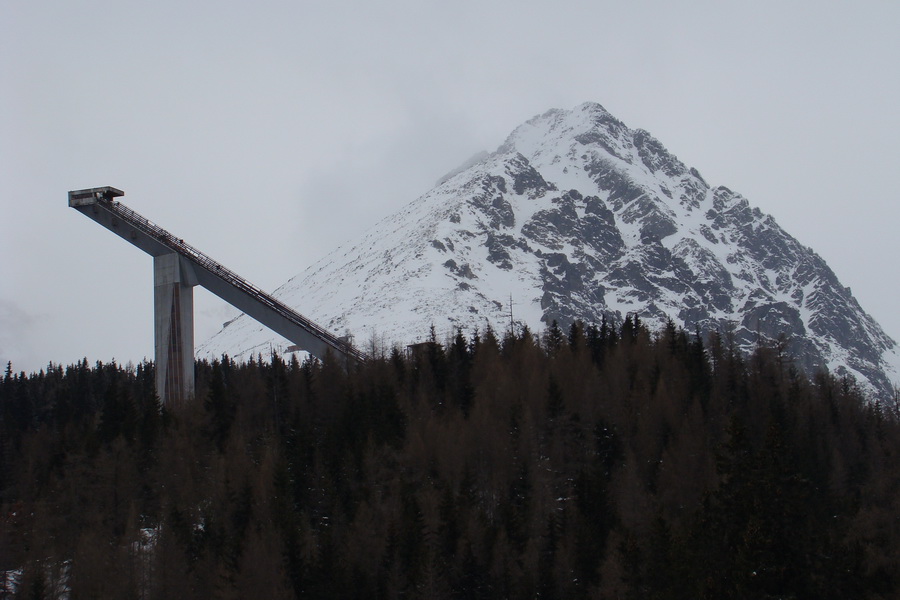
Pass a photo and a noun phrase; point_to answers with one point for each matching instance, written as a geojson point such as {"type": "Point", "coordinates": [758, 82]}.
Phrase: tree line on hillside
{"type": "Point", "coordinates": [600, 462]}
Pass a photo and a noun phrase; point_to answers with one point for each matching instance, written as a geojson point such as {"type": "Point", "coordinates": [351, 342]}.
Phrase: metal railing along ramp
{"type": "Point", "coordinates": [196, 268]}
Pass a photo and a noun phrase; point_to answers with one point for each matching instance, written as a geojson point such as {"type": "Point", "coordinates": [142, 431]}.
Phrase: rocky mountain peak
{"type": "Point", "coordinates": [577, 217]}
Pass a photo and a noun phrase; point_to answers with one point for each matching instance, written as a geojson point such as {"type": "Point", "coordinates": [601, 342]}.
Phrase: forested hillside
{"type": "Point", "coordinates": [594, 463]}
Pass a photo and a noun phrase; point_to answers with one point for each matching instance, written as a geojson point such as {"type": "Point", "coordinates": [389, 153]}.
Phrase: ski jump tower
{"type": "Point", "coordinates": [177, 268]}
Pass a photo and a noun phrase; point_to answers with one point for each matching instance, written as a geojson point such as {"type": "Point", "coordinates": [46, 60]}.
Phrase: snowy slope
{"type": "Point", "coordinates": [576, 216]}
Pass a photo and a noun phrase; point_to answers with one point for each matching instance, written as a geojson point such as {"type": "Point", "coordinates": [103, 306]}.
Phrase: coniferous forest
{"type": "Point", "coordinates": [598, 462]}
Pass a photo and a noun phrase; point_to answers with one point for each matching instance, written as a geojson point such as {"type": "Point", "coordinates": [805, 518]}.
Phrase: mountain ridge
{"type": "Point", "coordinates": [577, 217]}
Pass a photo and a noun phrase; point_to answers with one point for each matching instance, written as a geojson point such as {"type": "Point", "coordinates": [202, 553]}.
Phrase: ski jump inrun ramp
{"type": "Point", "coordinates": [177, 268]}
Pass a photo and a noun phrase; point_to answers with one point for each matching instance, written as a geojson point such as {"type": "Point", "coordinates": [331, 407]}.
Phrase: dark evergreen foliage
{"type": "Point", "coordinates": [599, 463]}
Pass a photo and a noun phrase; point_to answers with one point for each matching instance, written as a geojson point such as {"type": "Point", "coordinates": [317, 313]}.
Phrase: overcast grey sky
{"type": "Point", "coordinates": [266, 133]}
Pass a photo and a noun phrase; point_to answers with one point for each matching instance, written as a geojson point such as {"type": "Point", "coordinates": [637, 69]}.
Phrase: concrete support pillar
{"type": "Point", "coordinates": [173, 309]}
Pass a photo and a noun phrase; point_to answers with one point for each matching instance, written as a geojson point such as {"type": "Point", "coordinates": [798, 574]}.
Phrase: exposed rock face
{"type": "Point", "coordinates": [576, 217]}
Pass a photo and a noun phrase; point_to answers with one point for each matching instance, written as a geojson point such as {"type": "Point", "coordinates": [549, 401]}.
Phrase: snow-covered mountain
{"type": "Point", "coordinates": [577, 216]}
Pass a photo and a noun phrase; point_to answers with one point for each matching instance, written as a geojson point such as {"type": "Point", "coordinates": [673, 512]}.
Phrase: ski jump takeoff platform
{"type": "Point", "coordinates": [177, 268]}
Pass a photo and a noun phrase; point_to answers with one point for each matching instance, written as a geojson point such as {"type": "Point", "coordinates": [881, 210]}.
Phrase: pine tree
{"type": "Point", "coordinates": [553, 340]}
{"type": "Point", "coordinates": [220, 406]}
